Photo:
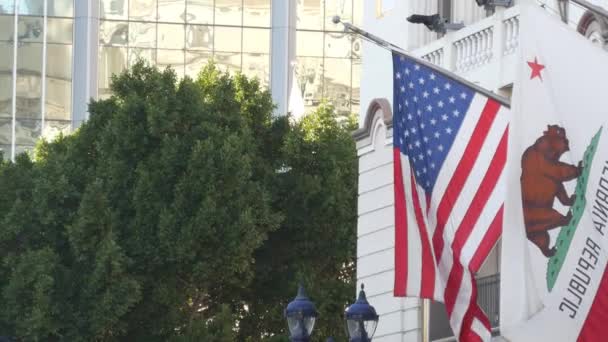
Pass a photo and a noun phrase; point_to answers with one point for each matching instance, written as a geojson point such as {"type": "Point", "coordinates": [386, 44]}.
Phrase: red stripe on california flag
{"type": "Point", "coordinates": [400, 228]}
{"type": "Point", "coordinates": [596, 324]}
{"type": "Point", "coordinates": [427, 283]}
{"type": "Point", "coordinates": [462, 172]}
{"type": "Point", "coordinates": [488, 241]}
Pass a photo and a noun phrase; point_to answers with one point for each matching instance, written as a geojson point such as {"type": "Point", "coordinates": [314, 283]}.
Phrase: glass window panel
{"type": "Point", "coordinates": [256, 40]}
{"type": "Point", "coordinates": [256, 13]}
{"type": "Point", "coordinates": [342, 8]}
{"type": "Point", "coordinates": [6, 62]}
{"type": "Point", "coordinates": [112, 60]}
{"type": "Point", "coordinates": [23, 149]}
{"type": "Point", "coordinates": [309, 73]}
{"type": "Point", "coordinates": [30, 29]}
{"type": "Point", "coordinates": [228, 61]}
{"type": "Point", "coordinates": [7, 6]}
{"type": "Point", "coordinates": [58, 63]}
{"type": "Point", "coordinates": [59, 30]}
{"type": "Point", "coordinates": [6, 95]}
{"type": "Point", "coordinates": [148, 55]}
{"type": "Point", "coordinates": [58, 103]}
{"type": "Point", "coordinates": [227, 39]}
{"type": "Point", "coordinates": [61, 8]}
{"type": "Point", "coordinates": [171, 36]}
{"type": "Point", "coordinates": [336, 83]}
{"type": "Point", "coordinates": [6, 80]}
{"type": "Point", "coordinates": [338, 45]}
{"type": "Point", "coordinates": [200, 11]}
{"type": "Point", "coordinates": [356, 86]}
{"type": "Point", "coordinates": [5, 150]}
{"type": "Point", "coordinates": [6, 132]}
{"type": "Point", "coordinates": [144, 10]}
{"type": "Point", "coordinates": [27, 131]}
{"type": "Point", "coordinates": [172, 11]}
{"type": "Point", "coordinates": [113, 9]}
{"type": "Point", "coordinates": [142, 34]}
{"type": "Point", "coordinates": [257, 65]}
{"type": "Point", "coordinates": [7, 28]}
{"type": "Point", "coordinates": [29, 7]}
{"type": "Point", "coordinates": [199, 37]}
{"type": "Point", "coordinates": [310, 14]}
{"type": "Point", "coordinates": [29, 77]}
{"type": "Point", "coordinates": [358, 13]}
{"type": "Point", "coordinates": [52, 129]}
{"type": "Point", "coordinates": [113, 32]}
{"type": "Point", "coordinates": [171, 58]}
{"type": "Point", "coordinates": [309, 43]}
{"type": "Point", "coordinates": [195, 62]}
{"type": "Point", "coordinates": [229, 12]}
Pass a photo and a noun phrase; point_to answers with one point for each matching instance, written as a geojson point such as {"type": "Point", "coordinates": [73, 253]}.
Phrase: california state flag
{"type": "Point", "coordinates": [554, 284]}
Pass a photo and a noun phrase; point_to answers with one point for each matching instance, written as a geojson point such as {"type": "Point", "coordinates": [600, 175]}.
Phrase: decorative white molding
{"type": "Point", "coordinates": [379, 114]}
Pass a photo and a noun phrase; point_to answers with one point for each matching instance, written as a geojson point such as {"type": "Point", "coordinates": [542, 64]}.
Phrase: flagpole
{"type": "Point", "coordinates": [392, 47]}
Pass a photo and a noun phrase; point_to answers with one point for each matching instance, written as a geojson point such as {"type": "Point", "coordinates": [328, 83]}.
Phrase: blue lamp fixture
{"type": "Point", "coordinates": [361, 319]}
{"type": "Point", "coordinates": [301, 315]}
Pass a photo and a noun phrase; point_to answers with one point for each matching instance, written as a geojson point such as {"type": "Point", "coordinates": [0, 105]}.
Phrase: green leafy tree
{"type": "Point", "coordinates": [180, 211]}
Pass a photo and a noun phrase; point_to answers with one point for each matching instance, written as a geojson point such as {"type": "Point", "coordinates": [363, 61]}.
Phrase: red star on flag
{"type": "Point", "coordinates": [536, 69]}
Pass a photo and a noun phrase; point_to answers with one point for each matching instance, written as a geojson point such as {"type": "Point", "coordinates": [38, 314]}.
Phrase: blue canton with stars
{"type": "Point", "coordinates": [428, 111]}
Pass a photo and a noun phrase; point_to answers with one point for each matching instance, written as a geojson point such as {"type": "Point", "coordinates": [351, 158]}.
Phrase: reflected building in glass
{"type": "Point", "coordinates": [55, 55]}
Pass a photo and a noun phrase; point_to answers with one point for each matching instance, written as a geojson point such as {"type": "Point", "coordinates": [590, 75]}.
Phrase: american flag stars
{"type": "Point", "coordinates": [429, 105]}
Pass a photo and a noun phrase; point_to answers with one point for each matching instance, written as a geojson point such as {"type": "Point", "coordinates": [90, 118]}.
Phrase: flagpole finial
{"type": "Point", "coordinates": [336, 19]}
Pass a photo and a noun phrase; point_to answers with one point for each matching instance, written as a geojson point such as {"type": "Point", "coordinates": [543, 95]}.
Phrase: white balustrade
{"type": "Point", "coordinates": [511, 27]}
{"type": "Point", "coordinates": [479, 51]}
{"type": "Point", "coordinates": [435, 57]}
{"type": "Point", "coordinates": [474, 50]}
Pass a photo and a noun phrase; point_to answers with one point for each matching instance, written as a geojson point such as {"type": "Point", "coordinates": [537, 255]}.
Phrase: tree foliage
{"type": "Point", "coordinates": [180, 211]}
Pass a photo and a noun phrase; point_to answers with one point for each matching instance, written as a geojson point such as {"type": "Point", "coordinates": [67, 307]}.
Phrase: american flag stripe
{"type": "Point", "coordinates": [401, 238]}
{"type": "Point", "coordinates": [456, 183]}
{"type": "Point", "coordinates": [493, 233]}
{"type": "Point", "coordinates": [428, 262]}
{"type": "Point", "coordinates": [480, 199]}
{"type": "Point", "coordinates": [466, 227]}
{"type": "Point", "coordinates": [473, 184]}
{"type": "Point", "coordinates": [450, 150]}
{"type": "Point", "coordinates": [456, 154]}
{"type": "Point", "coordinates": [416, 260]}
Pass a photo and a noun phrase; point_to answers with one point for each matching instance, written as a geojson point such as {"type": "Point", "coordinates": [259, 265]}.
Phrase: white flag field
{"type": "Point", "coordinates": [554, 284]}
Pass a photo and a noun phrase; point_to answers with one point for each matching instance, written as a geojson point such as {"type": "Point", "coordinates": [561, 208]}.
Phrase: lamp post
{"type": "Point", "coordinates": [301, 315]}
{"type": "Point", "coordinates": [361, 319]}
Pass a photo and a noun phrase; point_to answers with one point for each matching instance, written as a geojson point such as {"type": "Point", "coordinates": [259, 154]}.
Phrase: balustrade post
{"type": "Point", "coordinates": [498, 48]}
{"type": "Point", "coordinates": [449, 53]}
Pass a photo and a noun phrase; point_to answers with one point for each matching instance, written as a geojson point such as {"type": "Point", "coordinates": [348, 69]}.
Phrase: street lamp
{"type": "Point", "coordinates": [361, 319]}
{"type": "Point", "coordinates": [301, 315]}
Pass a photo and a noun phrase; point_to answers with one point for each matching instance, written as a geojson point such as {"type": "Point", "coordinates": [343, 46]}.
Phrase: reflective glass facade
{"type": "Point", "coordinates": [184, 34]}
{"type": "Point", "coordinates": [45, 82]}
{"type": "Point", "coordinates": [35, 71]}
{"type": "Point", "coordinates": [328, 61]}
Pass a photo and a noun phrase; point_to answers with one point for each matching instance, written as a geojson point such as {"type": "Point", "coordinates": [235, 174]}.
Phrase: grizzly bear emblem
{"type": "Point", "coordinates": [542, 178]}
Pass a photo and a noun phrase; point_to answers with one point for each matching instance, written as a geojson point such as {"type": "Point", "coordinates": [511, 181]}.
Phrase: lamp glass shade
{"type": "Point", "coordinates": [359, 329]}
{"type": "Point", "coordinates": [300, 326]}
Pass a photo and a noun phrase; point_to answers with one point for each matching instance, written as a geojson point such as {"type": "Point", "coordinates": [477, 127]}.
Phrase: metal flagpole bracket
{"type": "Point", "coordinates": [389, 46]}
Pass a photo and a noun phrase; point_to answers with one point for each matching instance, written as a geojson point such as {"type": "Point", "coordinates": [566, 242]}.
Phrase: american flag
{"type": "Point", "coordinates": [450, 149]}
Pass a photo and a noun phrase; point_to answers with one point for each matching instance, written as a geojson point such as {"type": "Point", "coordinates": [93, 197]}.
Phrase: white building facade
{"type": "Point", "coordinates": [483, 52]}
